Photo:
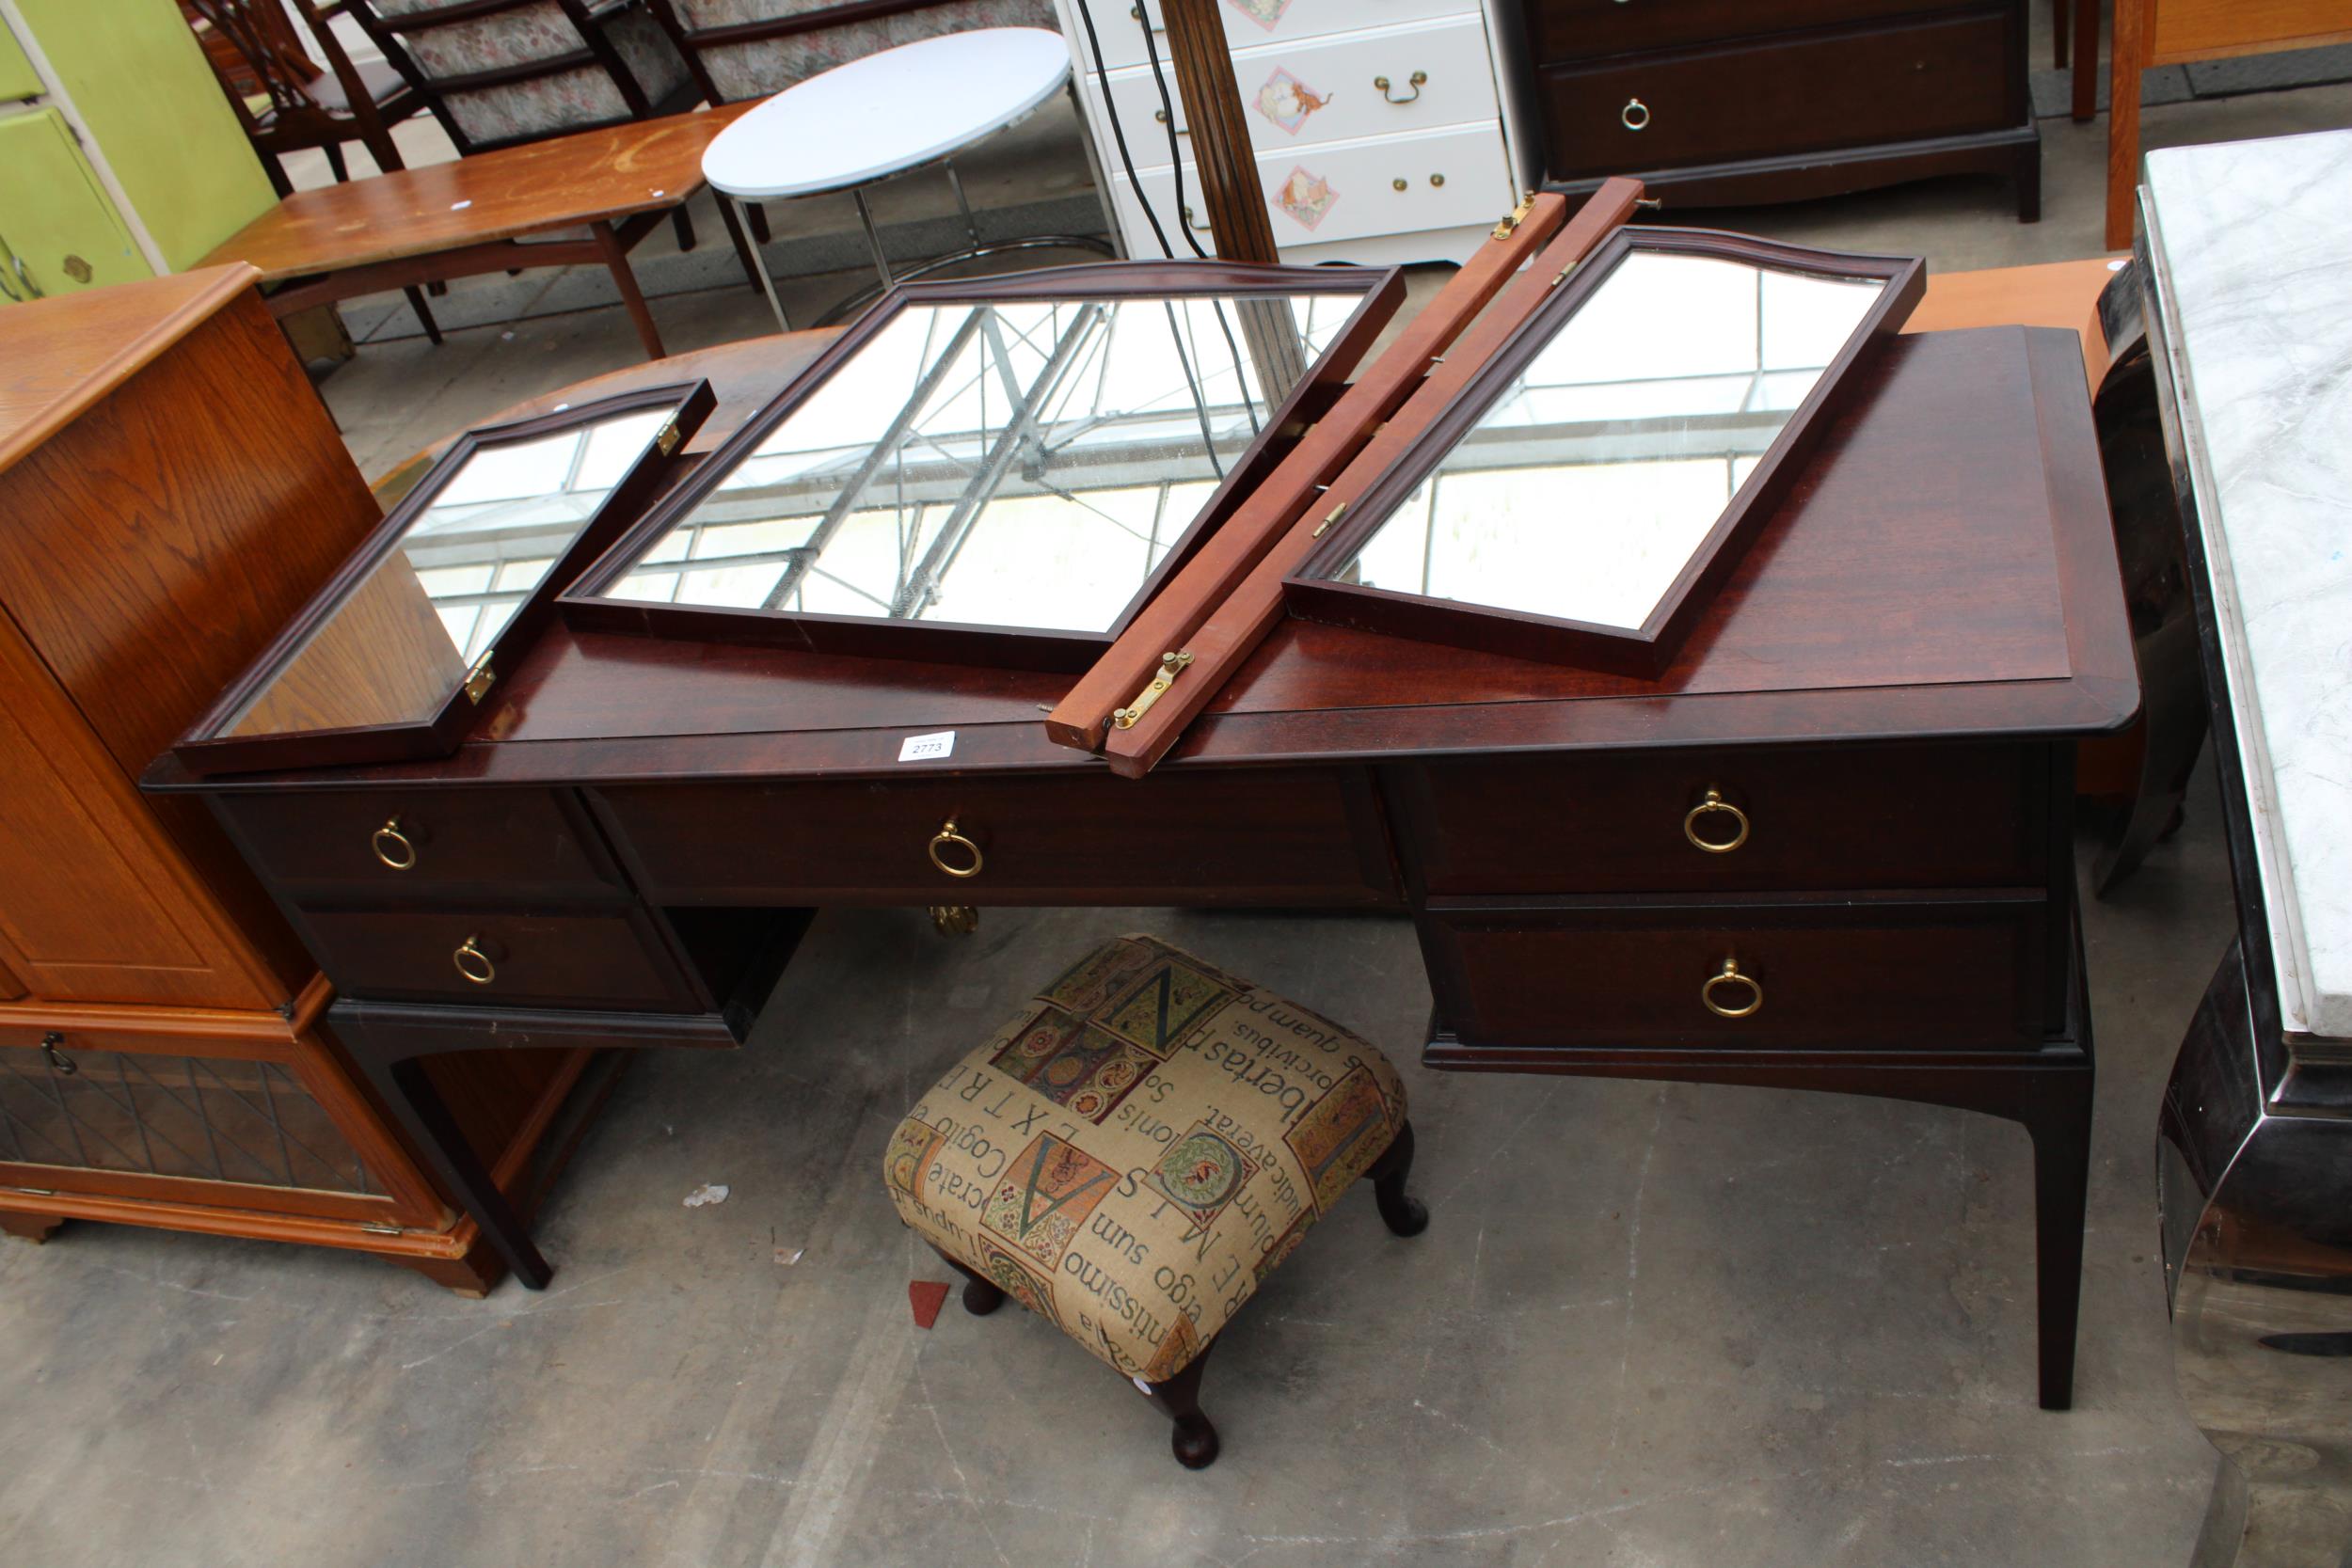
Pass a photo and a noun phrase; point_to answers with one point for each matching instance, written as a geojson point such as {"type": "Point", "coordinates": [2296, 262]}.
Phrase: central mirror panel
{"type": "Point", "coordinates": [1013, 461]}
{"type": "Point", "coordinates": [1581, 491]}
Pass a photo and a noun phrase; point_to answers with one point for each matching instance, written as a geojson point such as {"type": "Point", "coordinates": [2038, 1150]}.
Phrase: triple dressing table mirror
{"type": "Point", "coordinates": [392, 657]}
{"type": "Point", "coordinates": [997, 471]}
{"type": "Point", "coordinates": [1597, 478]}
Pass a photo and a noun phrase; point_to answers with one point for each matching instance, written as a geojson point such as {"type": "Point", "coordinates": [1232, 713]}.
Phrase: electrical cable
{"type": "Point", "coordinates": [1119, 134]}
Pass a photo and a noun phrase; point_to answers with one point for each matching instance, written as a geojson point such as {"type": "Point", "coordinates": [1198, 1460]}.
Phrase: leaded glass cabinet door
{"type": "Point", "coordinates": [1597, 479]}
{"type": "Point", "coordinates": [999, 472]}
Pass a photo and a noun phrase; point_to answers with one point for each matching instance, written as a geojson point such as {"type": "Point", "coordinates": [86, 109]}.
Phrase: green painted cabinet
{"type": "Point", "coordinates": [18, 79]}
{"type": "Point", "coordinates": [58, 229]}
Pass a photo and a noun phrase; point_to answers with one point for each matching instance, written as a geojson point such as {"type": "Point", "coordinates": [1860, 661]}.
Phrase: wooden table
{"type": "Point", "coordinates": [1890, 686]}
{"type": "Point", "coordinates": [494, 212]}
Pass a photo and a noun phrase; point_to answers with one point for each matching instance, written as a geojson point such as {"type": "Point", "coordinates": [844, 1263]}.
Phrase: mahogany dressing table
{"type": "Point", "coordinates": [1888, 689]}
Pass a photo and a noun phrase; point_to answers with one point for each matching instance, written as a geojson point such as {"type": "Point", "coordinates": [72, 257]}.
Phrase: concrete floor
{"type": "Point", "coordinates": [1647, 1325]}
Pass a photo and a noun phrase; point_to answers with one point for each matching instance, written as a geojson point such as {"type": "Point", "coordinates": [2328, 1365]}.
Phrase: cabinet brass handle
{"type": "Point", "coordinates": [392, 846]}
{"type": "Point", "coordinates": [1417, 81]}
{"type": "Point", "coordinates": [1398, 183]}
{"type": "Point", "coordinates": [473, 963]}
{"type": "Point", "coordinates": [1436, 179]}
{"type": "Point", "coordinates": [945, 836]}
{"type": "Point", "coordinates": [1203, 228]}
{"type": "Point", "coordinates": [1161, 116]}
{"type": "Point", "coordinates": [1709, 807]}
{"type": "Point", "coordinates": [1730, 975]}
{"type": "Point", "coordinates": [1627, 115]}
{"type": "Point", "coordinates": [59, 1062]}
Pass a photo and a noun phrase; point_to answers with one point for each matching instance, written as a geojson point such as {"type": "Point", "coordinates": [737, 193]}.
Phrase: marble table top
{"type": "Point", "coordinates": [2250, 244]}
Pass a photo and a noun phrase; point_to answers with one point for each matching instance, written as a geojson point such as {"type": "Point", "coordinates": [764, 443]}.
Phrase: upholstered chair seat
{"type": "Point", "coordinates": [1139, 1148]}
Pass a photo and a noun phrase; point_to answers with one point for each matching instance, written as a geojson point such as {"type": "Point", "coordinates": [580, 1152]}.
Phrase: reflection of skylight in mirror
{"type": "Point", "coordinates": [1581, 491]}
{"type": "Point", "coordinates": [1018, 463]}
{"type": "Point", "coordinates": [399, 642]}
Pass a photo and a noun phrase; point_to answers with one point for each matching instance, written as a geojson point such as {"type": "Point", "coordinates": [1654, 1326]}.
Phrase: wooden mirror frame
{"type": "Point", "coordinates": [1311, 593]}
{"type": "Point", "coordinates": [585, 607]}
{"type": "Point", "coordinates": [206, 751]}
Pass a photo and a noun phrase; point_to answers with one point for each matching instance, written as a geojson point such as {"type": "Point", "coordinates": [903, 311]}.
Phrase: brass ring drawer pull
{"type": "Point", "coordinates": [1730, 975]}
{"type": "Point", "coordinates": [473, 963]}
{"type": "Point", "coordinates": [945, 836]}
{"type": "Point", "coordinates": [1634, 116]}
{"type": "Point", "coordinates": [1417, 81]}
{"type": "Point", "coordinates": [392, 846]}
{"type": "Point", "coordinates": [1709, 807]}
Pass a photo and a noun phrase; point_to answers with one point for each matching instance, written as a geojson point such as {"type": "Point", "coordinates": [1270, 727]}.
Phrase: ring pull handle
{"type": "Point", "coordinates": [1634, 116]}
{"type": "Point", "coordinates": [1417, 81]}
{"type": "Point", "coordinates": [1203, 228]}
{"type": "Point", "coordinates": [1715, 805]}
{"type": "Point", "coordinates": [59, 1062]}
{"type": "Point", "coordinates": [947, 836]}
{"type": "Point", "coordinates": [392, 846]}
{"type": "Point", "coordinates": [1730, 975]}
{"type": "Point", "coordinates": [473, 963]}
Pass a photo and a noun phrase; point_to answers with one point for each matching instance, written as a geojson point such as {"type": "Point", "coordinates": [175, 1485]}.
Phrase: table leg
{"type": "Point", "coordinates": [2086, 106]}
{"type": "Point", "coordinates": [2132, 21]}
{"type": "Point", "coordinates": [873, 237]}
{"type": "Point", "coordinates": [616, 261]}
{"type": "Point", "coordinates": [955, 180]}
{"type": "Point", "coordinates": [408, 1092]}
{"type": "Point", "coordinates": [752, 258]}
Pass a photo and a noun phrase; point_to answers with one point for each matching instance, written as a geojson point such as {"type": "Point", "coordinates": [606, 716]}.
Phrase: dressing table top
{"type": "Point", "coordinates": [1944, 567]}
{"type": "Point", "coordinates": [2247, 243]}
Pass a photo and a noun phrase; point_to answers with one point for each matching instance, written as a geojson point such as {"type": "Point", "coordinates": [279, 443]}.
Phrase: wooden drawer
{"type": "Point", "coordinates": [1813, 92]}
{"type": "Point", "coordinates": [1350, 190]}
{"type": "Point", "coordinates": [1337, 75]}
{"type": "Point", "coordinates": [566, 958]}
{"type": "Point", "coordinates": [505, 844]}
{"type": "Point", "coordinates": [1239, 836]}
{"type": "Point", "coordinates": [1247, 22]}
{"type": "Point", "coordinates": [1832, 973]}
{"type": "Point", "coordinates": [1923, 816]}
{"type": "Point", "coordinates": [1580, 30]}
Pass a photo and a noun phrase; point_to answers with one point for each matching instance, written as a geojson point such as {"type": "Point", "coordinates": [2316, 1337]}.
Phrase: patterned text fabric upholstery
{"type": "Point", "coordinates": [766, 66]}
{"type": "Point", "coordinates": [1140, 1146]}
{"type": "Point", "coordinates": [538, 106]}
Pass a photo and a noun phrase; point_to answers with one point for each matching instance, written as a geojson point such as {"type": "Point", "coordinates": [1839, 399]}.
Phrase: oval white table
{"type": "Point", "coordinates": [886, 115]}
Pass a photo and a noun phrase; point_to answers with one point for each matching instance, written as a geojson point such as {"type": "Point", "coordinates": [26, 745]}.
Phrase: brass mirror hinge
{"type": "Point", "coordinates": [1328, 518]}
{"type": "Point", "coordinates": [1171, 665]}
{"type": "Point", "coordinates": [480, 678]}
{"type": "Point", "coordinates": [1515, 217]}
{"type": "Point", "coordinates": [377, 1227]}
{"type": "Point", "coordinates": [666, 438]}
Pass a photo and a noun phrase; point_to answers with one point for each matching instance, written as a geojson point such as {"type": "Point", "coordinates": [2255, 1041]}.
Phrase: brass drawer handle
{"type": "Point", "coordinates": [1417, 81]}
{"type": "Point", "coordinates": [1709, 806]}
{"type": "Point", "coordinates": [1730, 975]}
{"type": "Point", "coordinates": [1625, 116]}
{"type": "Point", "coordinates": [392, 846]}
{"type": "Point", "coordinates": [1202, 227]}
{"type": "Point", "coordinates": [59, 1062]}
{"type": "Point", "coordinates": [945, 836]}
{"type": "Point", "coordinates": [1161, 116]}
{"type": "Point", "coordinates": [473, 963]}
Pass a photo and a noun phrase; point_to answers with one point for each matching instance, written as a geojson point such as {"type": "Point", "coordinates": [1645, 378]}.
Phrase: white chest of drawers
{"type": "Point", "coordinates": [1386, 131]}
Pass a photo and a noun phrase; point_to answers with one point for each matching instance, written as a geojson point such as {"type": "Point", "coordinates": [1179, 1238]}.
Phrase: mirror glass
{"type": "Point", "coordinates": [1020, 463]}
{"type": "Point", "coordinates": [1582, 491]}
{"type": "Point", "coordinates": [394, 649]}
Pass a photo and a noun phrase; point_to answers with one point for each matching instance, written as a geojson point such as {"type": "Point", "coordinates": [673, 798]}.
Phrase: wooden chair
{"type": "Point", "coordinates": [255, 52]}
{"type": "Point", "coordinates": [2150, 33]}
{"type": "Point", "coordinates": [501, 72]}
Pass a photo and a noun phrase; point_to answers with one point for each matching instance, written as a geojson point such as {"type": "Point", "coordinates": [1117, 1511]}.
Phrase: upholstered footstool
{"type": "Point", "coordinates": [1139, 1148]}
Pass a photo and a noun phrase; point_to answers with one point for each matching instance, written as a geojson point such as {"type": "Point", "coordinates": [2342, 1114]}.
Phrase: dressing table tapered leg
{"type": "Point", "coordinates": [2060, 1122]}
{"type": "Point", "coordinates": [403, 1087]}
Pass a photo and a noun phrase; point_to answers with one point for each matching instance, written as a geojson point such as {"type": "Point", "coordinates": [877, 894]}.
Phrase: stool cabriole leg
{"type": "Point", "coordinates": [1404, 1215]}
{"type": "Point", "coordinates": [980, 1297]}
{"type": "Point", "coordinates": [1194, 1441]}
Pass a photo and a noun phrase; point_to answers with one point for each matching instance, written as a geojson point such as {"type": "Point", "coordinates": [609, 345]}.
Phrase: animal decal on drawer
{"type": "Point", "coordinates": [1305, 196]}
{"type": "Point", "coordinates": [1287, 100]}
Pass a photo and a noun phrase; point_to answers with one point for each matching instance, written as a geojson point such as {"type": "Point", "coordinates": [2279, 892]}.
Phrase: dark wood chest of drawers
{"type": "Point", "coordinates": [1730, 101]}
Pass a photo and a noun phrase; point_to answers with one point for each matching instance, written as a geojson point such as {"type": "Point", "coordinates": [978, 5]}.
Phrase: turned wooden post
{"type": "Point", "coordinates": [1230, 196]}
